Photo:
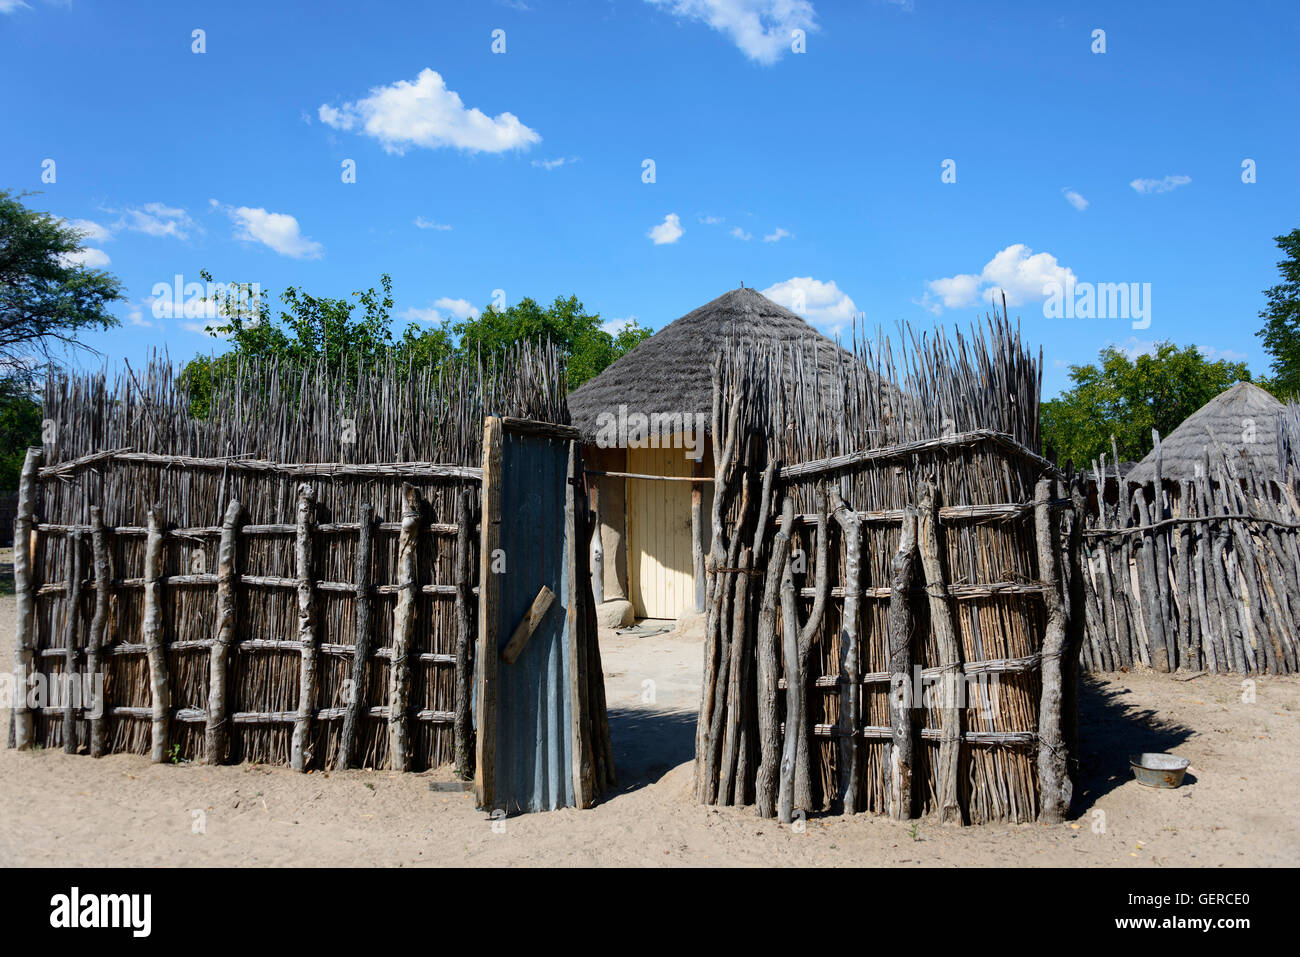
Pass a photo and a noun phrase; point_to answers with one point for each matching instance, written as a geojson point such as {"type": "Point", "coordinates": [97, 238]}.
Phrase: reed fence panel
{"type": "Point", "coordinates": [247, 585]}
{"type": "Point", "coordinates": [1199, 574]}
{"type": "Point", "coordinates": [879, 635]}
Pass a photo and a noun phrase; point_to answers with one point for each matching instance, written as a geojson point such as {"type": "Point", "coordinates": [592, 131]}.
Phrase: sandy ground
{"type": "Point", "coordinates": [1236, 808]}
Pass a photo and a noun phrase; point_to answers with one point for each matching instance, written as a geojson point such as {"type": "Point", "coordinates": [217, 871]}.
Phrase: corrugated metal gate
{"type": "Point", "coordinates": [543, 741]}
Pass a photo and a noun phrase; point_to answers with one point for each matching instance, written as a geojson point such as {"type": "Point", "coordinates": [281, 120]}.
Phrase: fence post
{"type": "Point", "coordinates": [20, 716]}
{"type": "Point", "coordinates": [399, 673]}
{"type": "Point", "coordinates": [361, 642]}
{"type": "Point", "coordinates": [152, 634]}
{"type": "Point", "coordinates": [216, 733]}
{"type": "Point", "coordinates": [300, 750]}
{"type": "Point", "coordinates": [98, 624]}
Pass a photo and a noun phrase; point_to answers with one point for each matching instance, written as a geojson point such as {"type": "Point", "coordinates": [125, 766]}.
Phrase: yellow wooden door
{"type": "Point", "coordinates": [659, 534]}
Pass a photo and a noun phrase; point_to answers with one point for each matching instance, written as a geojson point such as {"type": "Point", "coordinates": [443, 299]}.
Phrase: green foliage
{"type": "Point", "coordinates": [1281, 332]}
{"type": "Point", "coordinates": [1128, 398]}
{"type": "Point", "coordinates": [348, 333]}
{"type": "Point", "coordinates": [20, 427]}
{"type": "Point", "coordinates": [565, 323]}
{"type": "Point", "coordinates": [45, 297]}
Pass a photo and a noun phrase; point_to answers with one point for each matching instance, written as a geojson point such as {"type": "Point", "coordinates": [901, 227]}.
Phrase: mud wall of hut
{"type": "Point", "coordinates": [893, 592]}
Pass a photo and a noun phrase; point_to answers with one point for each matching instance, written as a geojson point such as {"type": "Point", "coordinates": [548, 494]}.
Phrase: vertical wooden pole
{"type": "Point", "coordinates": [577, 548]}
{"type": "Point", "coordinates": [71, 632]}
{"type": "Point", "coordinates": [485, 654]}
{"type": "Point", "coordinates": [151, 629]}
{"type": "Point", "coordinates": [216, 733]}
{"type": "Point", "coordinates": [95, 639]}
{"type": "Point", "coordinates": [464, 727]}
{"type": "Point", "coordinates": [300, 752]}
{"type": "Point", "coordinates": [596, 551]}
{"type": "Point", "coordinates": [794, 696]}
{"type": "Point", "coordinates": [1053, 781]}
{"type": "Point", "coordinates": [399, 674]}
{"type": "Point", "coordinates": [735, 687]}
{"type": "Point", "coordinates": [769, 731]}
{"type": "Point", "coordinates": [697, 535]}
{"type": "Point", "coordinates": [850, 683]}
{"type": "Point", "coordinates": [361, 643]}
{"type": "Point", "coordinates": [25, 591]}
{"type": "Point", "coordinates": [950, 688]}
{"type": "Point", "coordinates": [803, 796]}
{"type": "Point", "coordinates": [902, 752]}
{"type": "Point", "coordinates": [1151, 592]}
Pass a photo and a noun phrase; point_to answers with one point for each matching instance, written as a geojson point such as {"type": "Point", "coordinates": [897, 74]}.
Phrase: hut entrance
{"type": "Point", "coordinates": [660, 563]}
{"type": "Point", "coordinates": [542, 736]}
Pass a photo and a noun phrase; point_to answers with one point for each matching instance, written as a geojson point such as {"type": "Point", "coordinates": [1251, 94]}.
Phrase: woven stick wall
{"type": "Point", "coordinates": [1199, 574]}
{"type": "Point", "coordinates": [291, 580]}
{"type": "Point", "coordinates": [888, 518]}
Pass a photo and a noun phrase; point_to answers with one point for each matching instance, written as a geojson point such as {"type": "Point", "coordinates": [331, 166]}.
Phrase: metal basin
{"type": "Point", "coordinates": [1157, 770]}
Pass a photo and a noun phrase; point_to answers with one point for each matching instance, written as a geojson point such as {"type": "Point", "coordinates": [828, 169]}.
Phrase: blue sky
{"type": "Point", "coordinates": [817, 175]}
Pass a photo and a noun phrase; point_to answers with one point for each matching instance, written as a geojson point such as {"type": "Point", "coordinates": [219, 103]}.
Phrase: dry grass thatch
{"type": "Point", "coordinates": [671, 371]}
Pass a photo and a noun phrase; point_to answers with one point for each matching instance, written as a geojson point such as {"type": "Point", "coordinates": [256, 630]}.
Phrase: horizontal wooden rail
{"type": "Point", "coordinates": [883, 733]}
{"type": "Point", "coordinates": [254, 581]}
{"type": "Point", "coordinates": [697, 479]}
{"type": "Point", "coordinates": [214, 531]}
{"type": "Point", "coordinates": [405, 470]}
{"type": "Point", "coordinates": [954, 591]}
{"type": "Point", "coordinates": [248, 646]}
{"type": "Point", "coordinates": [991, 666]}
{"type": "Point", "coordinates": [802, 470]}
{"type": "Point", "coordinates": [198, 715]}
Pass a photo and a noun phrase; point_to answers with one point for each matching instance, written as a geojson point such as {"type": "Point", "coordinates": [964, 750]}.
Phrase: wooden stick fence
{"type": "Point", "coordinates": [219, 598]}
{"type": "Point", "coordinates": [1199, 574]}
{"type": "Point", "coordinates": [888, 586]}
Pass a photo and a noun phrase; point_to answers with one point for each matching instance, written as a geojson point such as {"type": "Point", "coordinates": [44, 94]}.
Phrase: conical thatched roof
{"type": "Point", "coordinates": [1243, 421]}
{"type": "Point", "coordinates": [672, 371]}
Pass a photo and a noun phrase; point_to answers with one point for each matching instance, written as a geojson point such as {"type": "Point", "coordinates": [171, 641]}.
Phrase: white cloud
{"type": "Point", "coordinates": [155, 219]}
{"type": "Point", "coordinates": [710, 220]}
{"type": "Point", "coordinates": [739, 233]}
{"type": "Point", "coordinates": [823, 304]}
{"type": "Point", "coordinates": [1228, 355]}
{"type": "Point", "coordinates": [86, 256]}
{"type": "Point", "coordinates": [759, 28]}
{"type": "Point", "coordinates": [777, 236]}
{"type": "Point", "coordinates": [423, 112]}
{"type": "Point", "coordinates": [1134, 347]}
{"type": "Point", "coordinates": [13, 6]}
{"type": "Point", "coordinates": [550, 164]}
{"type": "Point", "coordinates": [1074, 199]}
{"type": "Point", "coordinates": [444, 308]}
{"type": "Point", "coordinates": [1160, 185]}
{"type": "Point", "coordinates": [90, 230]}
{"type": "Point", "coordinates": [615, 326]}
{"type": "Point", "coordinates": [669, 231]}
{"type": "Point", "coordinates": [277, 231]}
{"type": "Point", "coordinates": [1017, 270]}
{"type": "Point", "coordinates": [423, 223]}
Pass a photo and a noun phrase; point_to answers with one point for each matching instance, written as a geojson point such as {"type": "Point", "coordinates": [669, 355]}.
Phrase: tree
{"type": "Point", "coordinates": [1128, 398]}
{"type": "Point", "coordinates": [588, 347]}
{"type": "Point", "coordinates": [1281, 332]}
{"type": "Point", "coordinates": [309, 328]}
{"type": "Point", "coordinates": [46, 296]}
{"type": "Point", "coordinates": [20, 427]}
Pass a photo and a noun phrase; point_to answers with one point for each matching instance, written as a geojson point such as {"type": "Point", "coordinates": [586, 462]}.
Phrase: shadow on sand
{"type": "Point", "coordinates": [648, 744]}
{"type": "Point", "coordinates": [1110, 730]}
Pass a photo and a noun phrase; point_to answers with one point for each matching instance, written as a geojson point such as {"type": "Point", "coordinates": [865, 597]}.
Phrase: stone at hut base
{"type": "Point", "coordinates": [614, 613]}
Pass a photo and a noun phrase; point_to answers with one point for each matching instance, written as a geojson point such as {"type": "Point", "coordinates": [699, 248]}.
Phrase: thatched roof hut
{"type": "Point", "coordinates": [1243, 421]}
{"type": "Point", "coordinates": [672, 371]}
{"type": "Point", "coordinates": [645, 419]}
